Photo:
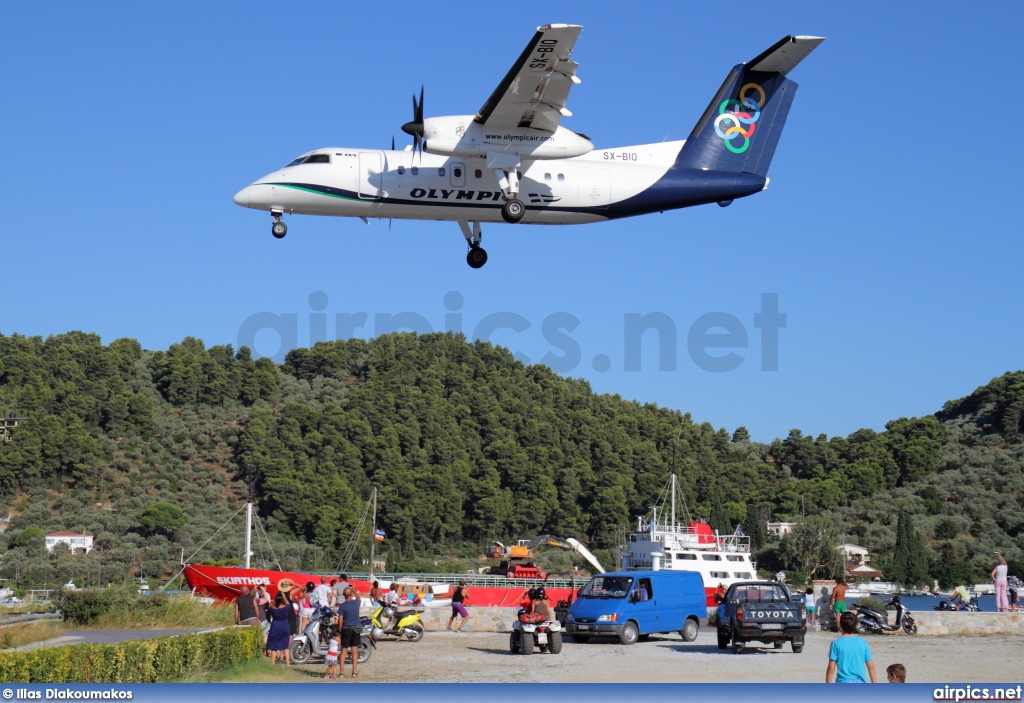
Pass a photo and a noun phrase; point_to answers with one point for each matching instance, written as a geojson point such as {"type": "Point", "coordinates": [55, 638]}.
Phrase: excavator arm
{"type": "Point", "coordinates": [568, 543]}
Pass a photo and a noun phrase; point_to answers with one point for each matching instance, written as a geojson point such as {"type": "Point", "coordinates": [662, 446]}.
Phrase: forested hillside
{"type": "Point", "coordinates": [150, 452]}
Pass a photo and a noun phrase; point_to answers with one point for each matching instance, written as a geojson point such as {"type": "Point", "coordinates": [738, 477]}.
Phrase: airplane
{"type": "Point", "coordinates": [513, 160]}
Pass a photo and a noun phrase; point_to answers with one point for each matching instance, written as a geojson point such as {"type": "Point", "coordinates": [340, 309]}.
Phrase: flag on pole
{"type": "Point", "coordinates": [379, 535]}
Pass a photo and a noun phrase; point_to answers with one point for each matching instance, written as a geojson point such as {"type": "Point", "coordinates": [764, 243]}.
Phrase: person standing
{"type": "Point", "coordinates": [999, 579]}
{"type": "Point", "coordinates": [837, 604]}
{"type": "Point", "coordinates": [306, 606]}
{"type": "Point", "coordinates": [376, 594]}
{"type": "Point", "coordinates": [279, 635]}
{"type": "Point", "coordinates": [351, 630]}
{"type": "Point", "coordinates": [459, 598]}
{"type": "Point", "coordinates": [246, 609]}
{"type": "Point", "coordinates": [1012, 588]}
{"type": "Point", "coordinates": [322, 595]}
{"type": "Point", "coordinates": [339, 587]}
{"type": "Point", "coordinates": [263, 602]}
{"type": "Point", "coordinates": [809, 604]}
{"type": "Point", "coordinates": [849, 658]}
{"type": "Point", "coordinates": [293, 615]}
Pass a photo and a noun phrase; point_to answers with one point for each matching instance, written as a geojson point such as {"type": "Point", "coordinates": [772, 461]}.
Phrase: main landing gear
{"type": "Point", "coordinates": [476, 257]}
{"type": "Point", "coordinates": [279, 228]}
{"type": "Point", "coordinates": [508, 180]}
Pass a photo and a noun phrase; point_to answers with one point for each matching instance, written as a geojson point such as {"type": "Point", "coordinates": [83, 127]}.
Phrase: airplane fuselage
{"type": "Point", "coordinates": [601, 185]}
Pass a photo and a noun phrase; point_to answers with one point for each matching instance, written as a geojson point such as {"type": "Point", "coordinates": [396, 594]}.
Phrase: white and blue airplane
{"type": "Point", "coordinates": [514, 161]}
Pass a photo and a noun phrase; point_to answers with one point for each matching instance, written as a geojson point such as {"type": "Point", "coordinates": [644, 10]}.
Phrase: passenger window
{"type": "Point", "coordinates": [720, 574]}
{"type": "Point", "coordinates": [733, 557]}
{"type": "Point", "coordinates": [547, 176]}
{"type": "Point", "coordinates": [401, 170]}
{"type": "Point", "coordinates": [711, 557]}
{"type": "Point", "coordinates": [742, 575]}
{"type": "Point", "coordinates": [440, 171]}
{"type": "Point", "coordinates": [415, 170]}
{"type": "Point", "coordinates": [561, 177]}
{"type": "Point", "coordinates": [685, 555]}
{"type": "Point", "coordinates": [478, 173]}
{"type": "Point", "coordinates": [457, 172]}
{"type": "Point", "coordinates": [644, 590]}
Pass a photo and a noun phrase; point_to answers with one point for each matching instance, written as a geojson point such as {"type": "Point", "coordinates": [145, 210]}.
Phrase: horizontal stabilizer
{"type": "Point", "coordinates": [784, 55]}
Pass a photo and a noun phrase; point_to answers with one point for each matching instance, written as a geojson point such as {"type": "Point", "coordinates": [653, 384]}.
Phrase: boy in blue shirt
{"type": "Point", "coordinates": [849, 659]}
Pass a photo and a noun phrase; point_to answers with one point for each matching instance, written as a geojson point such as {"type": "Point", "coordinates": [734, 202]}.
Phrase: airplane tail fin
{"type": "Point", "coordinates": [740, 129]}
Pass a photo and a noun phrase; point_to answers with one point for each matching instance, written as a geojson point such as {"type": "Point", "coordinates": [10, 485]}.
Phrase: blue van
{"type": "Point", "coordinates": [632, 604]}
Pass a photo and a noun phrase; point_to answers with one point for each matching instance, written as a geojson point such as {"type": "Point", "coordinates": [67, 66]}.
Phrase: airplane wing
{"type": "Point", "coordinates": [533, 93]}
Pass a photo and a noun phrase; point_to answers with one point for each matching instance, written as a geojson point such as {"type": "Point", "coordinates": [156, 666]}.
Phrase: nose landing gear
{"type": "Point", "coordinates": [279, 228]}
{"type": "Point", "coordinates": [513, 210]}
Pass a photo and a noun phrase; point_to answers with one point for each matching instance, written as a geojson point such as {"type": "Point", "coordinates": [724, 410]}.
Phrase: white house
{"type": "Point", "coordinates": [781, 528]}
{"type": "Point", "coordinates": [853, 554]}
{"type": "Point", "coordinates": [78, 544]}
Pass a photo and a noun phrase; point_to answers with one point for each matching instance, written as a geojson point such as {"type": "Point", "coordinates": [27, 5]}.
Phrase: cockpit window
{"type": "Point", "coordinates": [311, 159]}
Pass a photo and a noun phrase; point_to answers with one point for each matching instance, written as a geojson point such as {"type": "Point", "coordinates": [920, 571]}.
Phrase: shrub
{"type": "Point", "coordinates": [85, 606]}
{"type": "Point", "coordinates": [136, 661]}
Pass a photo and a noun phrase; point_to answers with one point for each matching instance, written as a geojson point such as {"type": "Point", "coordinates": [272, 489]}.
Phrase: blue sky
{"type": "Point", "coordinates": [890, 234]}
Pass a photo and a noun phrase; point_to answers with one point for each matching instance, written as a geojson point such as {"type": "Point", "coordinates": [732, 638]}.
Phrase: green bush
{"type": "Point", "coordinates": [85, 606]}
{"type": "Point", "coordinates": [137, 661]}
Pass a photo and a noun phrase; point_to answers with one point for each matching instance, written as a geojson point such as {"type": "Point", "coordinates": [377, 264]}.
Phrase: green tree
{"type": "Point", "coordinates": [909, 561]}
{"type": "Point", "coordinates": [811, 548]}
{"type": "Point", "coordinates": [162, 518]}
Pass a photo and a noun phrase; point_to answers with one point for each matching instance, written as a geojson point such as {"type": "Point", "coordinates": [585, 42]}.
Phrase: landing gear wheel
{"type": "Point", "coordinates": [476, 257]}
{"type": "Point", "coordinates": [513, 210]}
{"type": "Point", "coordinates": [525, 643]}
{"type": "Point", "coordinates": [555, 642]}
{"type": "Point", "coordinates": [279, 229]}
{"type": "Point", "coordinates": [580, 639]}
{"type": "Point", "coordinates": [629, 634]}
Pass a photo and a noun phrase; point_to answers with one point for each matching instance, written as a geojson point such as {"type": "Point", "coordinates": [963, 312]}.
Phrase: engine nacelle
{"type": "Point", "coordinates": [461, 136]}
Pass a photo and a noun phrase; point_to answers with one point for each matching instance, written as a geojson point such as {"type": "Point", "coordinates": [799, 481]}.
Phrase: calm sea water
{"type": "Point", "coordinates": [919, 604]}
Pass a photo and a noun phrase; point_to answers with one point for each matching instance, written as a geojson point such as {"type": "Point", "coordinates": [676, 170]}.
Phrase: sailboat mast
{"type": "Point", "coordinates": [248, 518]}
{"type": "Point", "coordinates": [673, 502]}
{"type": "Point", "coordinates": [373, 533]}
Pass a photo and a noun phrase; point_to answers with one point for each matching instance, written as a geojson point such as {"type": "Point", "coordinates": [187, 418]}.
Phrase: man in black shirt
{"type": "Point", "coordinates": [246, 608]}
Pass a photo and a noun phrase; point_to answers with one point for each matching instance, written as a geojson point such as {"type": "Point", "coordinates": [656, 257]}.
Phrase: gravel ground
{"type": "Point", "coordinates": [484, 657]}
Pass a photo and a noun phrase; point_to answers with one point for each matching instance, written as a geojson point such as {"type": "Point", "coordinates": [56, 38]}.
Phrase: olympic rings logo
{"type": "Point", "coordinates": [737, 118]}
{"type": "Point", "coordinates": [461, 129]}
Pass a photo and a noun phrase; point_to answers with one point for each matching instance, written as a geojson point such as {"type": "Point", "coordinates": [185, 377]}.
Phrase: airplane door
{"type": "Point", "coordinates": [595, 187]}
{"type": "Point", "coordinates": [370, 169]}
{"type": "Point", "coordinates": [458, 174]}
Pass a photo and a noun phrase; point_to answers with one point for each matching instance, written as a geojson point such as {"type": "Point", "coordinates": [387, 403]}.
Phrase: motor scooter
{"type": "Point", "coordinates": [946, 605]}
{"type": "Point", "coordinates": [877, 621]}
{"type": "Point", "coordinates": [405, 623]}
{"type": "Point", "coordinates": [315, 639]}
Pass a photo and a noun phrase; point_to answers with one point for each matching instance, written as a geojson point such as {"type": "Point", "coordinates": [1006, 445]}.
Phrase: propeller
{"type": "Point", "coordinates": [415, 128]}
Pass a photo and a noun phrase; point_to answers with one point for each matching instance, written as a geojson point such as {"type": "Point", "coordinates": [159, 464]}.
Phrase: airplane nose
{"type": "Point", "coordinates": [243, 196]}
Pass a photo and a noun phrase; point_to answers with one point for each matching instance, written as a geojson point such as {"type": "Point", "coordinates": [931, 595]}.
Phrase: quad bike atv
{"type": "Point", "coordinates": [531, 631]}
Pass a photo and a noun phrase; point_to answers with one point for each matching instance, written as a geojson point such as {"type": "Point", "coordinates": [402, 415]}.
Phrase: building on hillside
{"type": "Point", "coordinates": [862, 572]}
{"type": "Point", "coordinates": [853, 554]}
{"type": "Point", "coordinates": [77, 543]}
{"type": "Point", "coordinates": [781, 528]}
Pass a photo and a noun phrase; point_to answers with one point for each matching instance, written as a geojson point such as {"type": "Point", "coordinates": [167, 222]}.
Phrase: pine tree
{"type": "Point", "coordinates": [755, 529]}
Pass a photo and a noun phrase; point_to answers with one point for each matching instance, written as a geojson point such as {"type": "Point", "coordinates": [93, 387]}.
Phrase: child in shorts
{"type": "Point", "coordinates": [332, 657]}
{"type": "Point", "coordinates": [809, 603]}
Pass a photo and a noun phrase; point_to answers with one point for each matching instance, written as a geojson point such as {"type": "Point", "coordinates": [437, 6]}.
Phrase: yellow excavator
{"type": "Point", "coordinates": [517, 560]}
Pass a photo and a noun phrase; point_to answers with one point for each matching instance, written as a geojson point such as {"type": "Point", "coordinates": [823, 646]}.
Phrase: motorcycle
{"type": "Point", "coordinates": [405, 623]}
{"type": "Point", "coordinates": [315, 639]}
{"type": "Point", "coordinates": [531, 630]}
{"type": "Point", "coordinates": [945, 605]}
{"type": "Point", "coordinates": [877, 621]}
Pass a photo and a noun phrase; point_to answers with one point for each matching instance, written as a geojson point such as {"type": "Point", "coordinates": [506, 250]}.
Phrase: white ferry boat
{"type": "Point", "coordinates": [660, 542]}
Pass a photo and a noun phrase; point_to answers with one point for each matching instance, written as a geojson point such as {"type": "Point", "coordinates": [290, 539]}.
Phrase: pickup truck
{"type": "Point", "coordinates": [761, 611]}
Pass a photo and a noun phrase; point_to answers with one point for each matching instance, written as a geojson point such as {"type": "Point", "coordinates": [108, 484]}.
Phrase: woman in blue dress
{"type": "Point", "coordinates": [280, 633]}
